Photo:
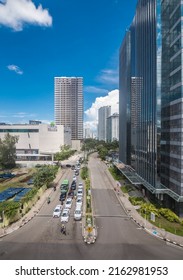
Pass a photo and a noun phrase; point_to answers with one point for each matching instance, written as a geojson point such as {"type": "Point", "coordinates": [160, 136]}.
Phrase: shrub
{"type": "Point", "coordinates": [136, 200]}
{"type": "Point", "coordinates": [117, 175]}
{"type": "Point", "coordinates": [169, 215]}
{"type": "Point", "coordinates": [84, 172]}
{"type": "Point", "coordinates": [10, 208]}
{"type": "Point", "coordinates": [147, 208]}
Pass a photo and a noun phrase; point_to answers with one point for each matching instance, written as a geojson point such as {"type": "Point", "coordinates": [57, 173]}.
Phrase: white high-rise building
{"type": "Point", "coordinates": [113, 127]}
{"type": "Point", "coordinates": [68, 108]}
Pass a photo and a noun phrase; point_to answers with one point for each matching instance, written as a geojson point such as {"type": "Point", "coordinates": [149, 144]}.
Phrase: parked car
{"type": "Point", "coordinates": [77, 214]}
{"type": "Point", "coordinates": [57, 211]}
{"type": "Point", "coordinates": [73, 167]}
{"type": "Point", "coordinates": [74, 178]}
{"type": "Point", "coordinates": [65, 216]}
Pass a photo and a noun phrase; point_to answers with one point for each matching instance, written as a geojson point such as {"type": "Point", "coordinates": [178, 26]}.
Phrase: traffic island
{"type": "Point", "coordinates": [89, 228]}
{"type": "Point", "coordinates": [90, 231]}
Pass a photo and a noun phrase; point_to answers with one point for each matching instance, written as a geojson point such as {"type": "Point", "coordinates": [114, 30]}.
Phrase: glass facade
{"type": "Point", "coordinates": [151, 101]}
{"type": "Point", "coordinates": [172, 99]}
{"type": "Point", "coordinates": [124, 100]}
{"type": "Point", "coordinates": [146, 70]}
{"type": "Point", "coordinates": [139, 113]}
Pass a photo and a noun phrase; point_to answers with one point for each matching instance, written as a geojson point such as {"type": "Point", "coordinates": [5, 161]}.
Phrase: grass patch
{"type": "Point", "coordinates": [161, 222]}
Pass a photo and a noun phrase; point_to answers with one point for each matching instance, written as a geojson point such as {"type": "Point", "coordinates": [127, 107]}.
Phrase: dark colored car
{"type": "Point", "coordinates": [73, 185]}
{"type": "Point", "coordinates": [62, 196]}
{"type": "Point", "coordinates": [71, 193]}
{"type": "Point", "coordinates": [76, 172]}
{"type": "Point", "coordinates": [68, 165]}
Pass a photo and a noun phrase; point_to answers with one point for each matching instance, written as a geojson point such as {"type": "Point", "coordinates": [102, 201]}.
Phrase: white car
{"type": "Point", "coordinates": [80, 192]}
{"type": "Point", "coordinates": [79, 202]}
{"type": "Point", "coordinates": [65, 216]}
{"type": "Point", "coordinates": [77, 214]}
{"type": "Point", "coordinates": [57, 211]}
{"type": "Point", "coordinates": [68, 203]}
{"type": "Point", "coordinates": [80, 186]}
{"type": "Point", "coordinates": [74, 178]}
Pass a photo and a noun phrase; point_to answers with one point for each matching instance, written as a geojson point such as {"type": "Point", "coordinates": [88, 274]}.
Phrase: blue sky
{"type": "Point", "coordinates": [40, 39]}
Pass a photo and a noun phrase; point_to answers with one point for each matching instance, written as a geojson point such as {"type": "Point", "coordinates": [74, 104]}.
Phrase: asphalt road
{"type": "Point", "coordinates": [118, 236]}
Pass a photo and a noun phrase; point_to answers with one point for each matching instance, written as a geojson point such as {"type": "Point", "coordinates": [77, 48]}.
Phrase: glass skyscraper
{"type": "Point", "coordinates": [172, 99]}
{"type": "Point", "coordinates": [150, 100]}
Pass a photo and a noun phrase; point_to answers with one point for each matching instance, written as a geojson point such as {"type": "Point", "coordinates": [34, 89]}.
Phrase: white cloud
{"type": "Point", "coordinates": [16, 13]}
{"type": "Point", "coordinates": [109, 76]}
{"type": "Point", "coordinates": [112, 99]}
{"type": "Point", "coordinates": [15, 68]}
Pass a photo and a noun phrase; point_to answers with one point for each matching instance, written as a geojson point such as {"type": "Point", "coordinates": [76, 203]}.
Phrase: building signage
{"type": "Point", "coordinates": [52, 128]}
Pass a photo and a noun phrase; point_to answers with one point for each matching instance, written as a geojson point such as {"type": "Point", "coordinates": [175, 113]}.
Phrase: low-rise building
{"type": "Point", "coordinates": [37, 141]}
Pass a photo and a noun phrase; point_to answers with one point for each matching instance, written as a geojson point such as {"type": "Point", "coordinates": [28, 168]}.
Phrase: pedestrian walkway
{"type": "Point", "coordinates": [132, 212]}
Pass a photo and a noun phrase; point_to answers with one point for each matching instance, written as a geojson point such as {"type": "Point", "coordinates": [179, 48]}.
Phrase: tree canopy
{"type": "Point", "coordinates": [8, 151]}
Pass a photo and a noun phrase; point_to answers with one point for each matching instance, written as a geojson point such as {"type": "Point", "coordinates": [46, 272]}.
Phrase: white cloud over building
{"type": "Point", "coordinates": [91, 114]}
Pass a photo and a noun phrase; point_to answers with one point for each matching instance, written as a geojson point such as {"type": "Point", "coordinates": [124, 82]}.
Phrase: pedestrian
{"type": "Point", "coordinates": [63, 229]}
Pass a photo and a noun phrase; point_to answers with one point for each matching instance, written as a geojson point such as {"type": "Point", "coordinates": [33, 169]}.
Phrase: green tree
{"type": "Point", "coordinates": [103, 152]}
{"type": "Point", "coordinates": [45, 175]}
{"type": "Point", "coordinates": [65, 153]}
{"type": "Point", "coordinates": [8, 151]}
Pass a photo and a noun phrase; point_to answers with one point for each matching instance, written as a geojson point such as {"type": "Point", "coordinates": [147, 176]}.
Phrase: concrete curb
{"type": "Point", "coordinates": [156, 235]}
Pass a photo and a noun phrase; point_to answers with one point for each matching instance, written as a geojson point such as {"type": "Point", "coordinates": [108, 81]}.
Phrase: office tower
{"type": "Point", "coordinates": [103, 113]}
{"type": "Point", "coordinates": [172, 100]}
{"type": "Point", "coordinates": [139, 94]}
{"type": "Point", "coordinates": [125, 70]}
{"type": "Point", "coordinates": [113, 127]}
{"type": "Point", "coordinates": [150, 101]}
{"type": "Point", "coordinates": [69, 104]}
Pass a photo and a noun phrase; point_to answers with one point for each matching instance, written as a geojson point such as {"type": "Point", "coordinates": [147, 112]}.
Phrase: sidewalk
{"type": "Point", "coordinates": [140, 221]}
{"type": "Point", "coordinates": [34, 210]}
